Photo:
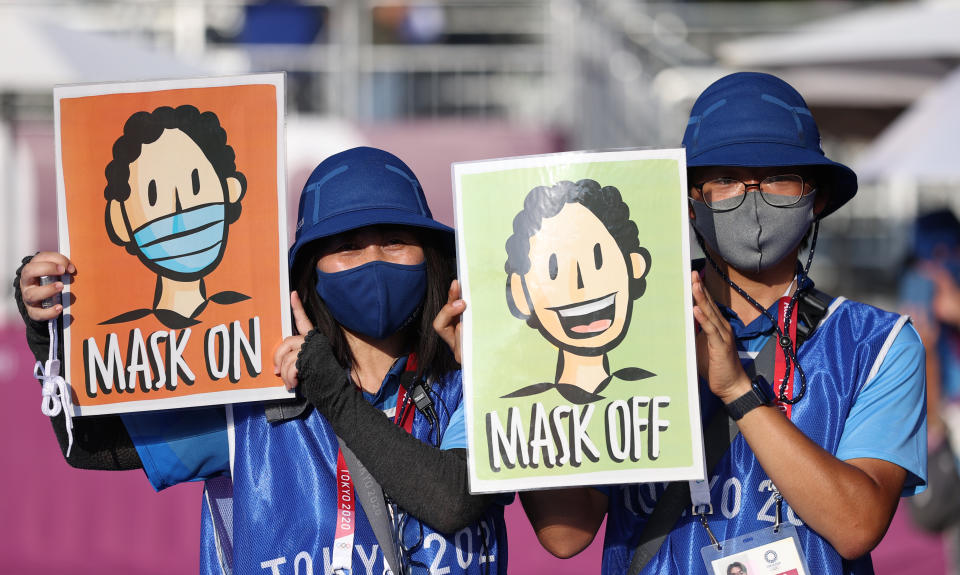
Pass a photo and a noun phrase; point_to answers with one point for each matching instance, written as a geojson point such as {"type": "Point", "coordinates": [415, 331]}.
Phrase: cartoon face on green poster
{"type": "Point", "coordinates": [578, 353]}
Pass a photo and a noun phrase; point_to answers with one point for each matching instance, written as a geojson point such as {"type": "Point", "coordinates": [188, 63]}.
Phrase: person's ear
{"type": "Point", "coordinates": [693, 175]}
{"type": "Point", "coordinates": [640, 262]}
{"type": "Point", "coordinates": [235, 190]}
{"type": "Point", "coordinates": [116, 221]}
{"type": "Point", "coordinates": [821, 201]}
{"type": "Point", "coordinates": [517, 297]}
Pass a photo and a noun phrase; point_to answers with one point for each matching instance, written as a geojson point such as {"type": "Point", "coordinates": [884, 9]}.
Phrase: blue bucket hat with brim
{"type": "Point", "coordinates": [756, 120]}
{"type": "Point", "coordinates": [361, 187]}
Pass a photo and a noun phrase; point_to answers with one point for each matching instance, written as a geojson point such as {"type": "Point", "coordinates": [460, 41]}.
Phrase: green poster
{"type": "Point", "coordinates": [578, 350]}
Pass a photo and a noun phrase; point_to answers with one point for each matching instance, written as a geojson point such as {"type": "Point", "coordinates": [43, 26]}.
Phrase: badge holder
{"type": "Point", "coordinates": [768, 551]}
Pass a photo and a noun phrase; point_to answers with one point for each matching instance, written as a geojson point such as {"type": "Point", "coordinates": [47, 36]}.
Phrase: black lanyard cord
{"type": "Point", "coordinates": [783, 338]}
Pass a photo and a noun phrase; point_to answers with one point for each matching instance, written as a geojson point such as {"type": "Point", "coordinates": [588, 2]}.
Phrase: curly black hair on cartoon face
{"type": "Point", "coordinates": [173, 190]}
{"type": "Point", "coordinates": [543, 202]}
{"type": "Point", "coordinates": [574, 268]}
{"type": "Point", "coordinates": [146, 128]}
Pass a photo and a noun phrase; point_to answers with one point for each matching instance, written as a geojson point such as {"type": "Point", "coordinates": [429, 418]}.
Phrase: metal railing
{"type": "Point", "coordinates": [585, 68]}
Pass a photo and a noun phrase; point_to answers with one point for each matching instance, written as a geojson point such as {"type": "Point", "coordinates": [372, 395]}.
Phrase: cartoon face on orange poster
{"type": "Point", "coordinates": [170, 199]}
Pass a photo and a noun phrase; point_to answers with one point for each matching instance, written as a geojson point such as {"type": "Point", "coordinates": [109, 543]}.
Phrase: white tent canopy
{"type": "Point", "coordinates": [819, 85]}
{"type": "Point", "coordinates": [888, 32]}
{"type": "Point", "coordinates": [38, 54]}
{"type": "Point", "coordinates": [881, 56]}
{"type": "Point", "coordinates": [920, 146]}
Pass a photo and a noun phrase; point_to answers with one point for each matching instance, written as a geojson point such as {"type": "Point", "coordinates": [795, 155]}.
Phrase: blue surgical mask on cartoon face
{"type": "Point", "coordinates": [376, 299]}
{"type": "Point", "coordinates": [186, 242]}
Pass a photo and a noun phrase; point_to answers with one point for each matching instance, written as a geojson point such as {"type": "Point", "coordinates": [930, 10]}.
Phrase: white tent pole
{"type": "Point", "coordinates": [9, 198]}
{"type": "Point", "coordinates": [903, 197]}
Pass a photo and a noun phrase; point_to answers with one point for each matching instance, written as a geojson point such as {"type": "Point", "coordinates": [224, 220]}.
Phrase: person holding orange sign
{"type": "Point", "coordinates": [367, 470]}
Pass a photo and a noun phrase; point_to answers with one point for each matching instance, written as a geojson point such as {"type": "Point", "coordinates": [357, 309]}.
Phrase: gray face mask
{"type": "Point", "coordinates": [754, 236]}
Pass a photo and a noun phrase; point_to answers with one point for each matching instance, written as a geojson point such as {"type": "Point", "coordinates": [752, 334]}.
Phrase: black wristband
{"type": "Point", "coordinates": [322, 380]}
{"type": "Point", "coordinates": [758, 396]}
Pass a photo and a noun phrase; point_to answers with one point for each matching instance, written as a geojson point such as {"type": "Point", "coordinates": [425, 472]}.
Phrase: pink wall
{"type": "Point", "coordinates": [56, 519]}
{"type": "Point", "coordinates": [430, 147]}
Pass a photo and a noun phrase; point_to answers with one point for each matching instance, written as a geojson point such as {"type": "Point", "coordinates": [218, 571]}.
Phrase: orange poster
{"type": "Point", "coordinates": [171, 206]}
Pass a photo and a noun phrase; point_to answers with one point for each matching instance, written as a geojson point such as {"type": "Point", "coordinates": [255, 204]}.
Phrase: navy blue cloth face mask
{"type": "Point", "coordinates": [377, 298]}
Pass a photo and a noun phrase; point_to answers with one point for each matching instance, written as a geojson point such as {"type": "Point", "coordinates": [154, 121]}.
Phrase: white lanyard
{"type": "Point", "coordinates": [56, 391]}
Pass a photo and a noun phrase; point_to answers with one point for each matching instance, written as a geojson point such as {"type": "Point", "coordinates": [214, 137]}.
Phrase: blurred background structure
{"type": "Point", "coordinates": [438, 81]}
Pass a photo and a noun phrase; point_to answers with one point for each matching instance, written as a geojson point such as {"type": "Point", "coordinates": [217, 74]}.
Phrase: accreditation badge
{"type": "Point", "coordinates": [768, 551]}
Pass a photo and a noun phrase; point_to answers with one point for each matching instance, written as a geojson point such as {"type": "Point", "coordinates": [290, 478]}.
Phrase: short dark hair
{"type": "Point", "coordinates": [547, 201]}
{"type": "Point", "coordinates": [743, 569]}
{"type": "Point", "coordinates": [434, 358]}
{"type": "Point", "coordinates": [147, 127]}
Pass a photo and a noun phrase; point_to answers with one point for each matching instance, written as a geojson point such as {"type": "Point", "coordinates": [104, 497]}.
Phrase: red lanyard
{"type": "Point", "coordinates": [346, 499]}
{"type": "Point", "coordinates": [404, 409]}
{"type": "Point", "coordinates": [342, 560]}
{"type": "Point", "coordinates": [780, 357]}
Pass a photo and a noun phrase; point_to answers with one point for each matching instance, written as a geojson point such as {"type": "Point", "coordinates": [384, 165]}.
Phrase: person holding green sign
{"type": "Point", "coordinates": [814, 410]}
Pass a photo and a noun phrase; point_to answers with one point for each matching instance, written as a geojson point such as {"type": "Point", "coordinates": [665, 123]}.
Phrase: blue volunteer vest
{"type": "Point", "coordinates": [283, 505]}
{"type": "Point", "coordinates": [837, 360]}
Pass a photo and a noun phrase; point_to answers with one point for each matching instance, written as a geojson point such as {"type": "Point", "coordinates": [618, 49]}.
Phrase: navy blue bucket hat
{"type": "Point", "coordinates": [755, 120]}
{"type": "Point", "coordinates": [356, 188]}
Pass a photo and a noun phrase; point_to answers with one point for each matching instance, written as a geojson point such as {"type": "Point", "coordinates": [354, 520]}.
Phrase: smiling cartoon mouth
{"type": "Point", "coordinates": [587, 319]}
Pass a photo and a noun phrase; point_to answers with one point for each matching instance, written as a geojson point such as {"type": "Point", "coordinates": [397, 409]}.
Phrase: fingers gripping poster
{"type": "Point", "coordinates": [171, 207]}
{"type": "Point", "coordinates": [578, 350]}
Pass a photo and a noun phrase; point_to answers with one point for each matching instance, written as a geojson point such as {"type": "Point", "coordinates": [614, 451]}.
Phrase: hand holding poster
{"type": "Point", "coordinates": [171, 206]}
{"type": "Point", "coordinates": [578, 350]}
